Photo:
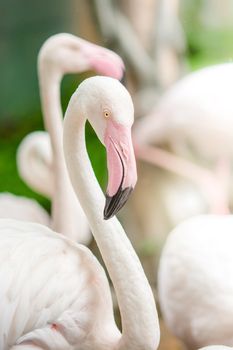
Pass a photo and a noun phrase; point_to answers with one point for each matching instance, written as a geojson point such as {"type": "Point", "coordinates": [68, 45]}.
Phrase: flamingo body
{"type": "Point", "coordinates": [44, 295]}
{"type": "Point", "coordinates": [195, 281]}
{"type": "Point", "coordinates": [22, 208]}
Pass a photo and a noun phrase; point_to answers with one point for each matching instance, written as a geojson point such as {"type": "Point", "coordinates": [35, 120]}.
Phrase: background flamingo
{"type": "Point", "coordinates": [202, 102]}
{"type": "Point", "coordinates": [67, 303]}
{"type": "Point", "coordinates": [22, 208]}
{"type": "Point", "coordinates": [195, 281]}
{"type": "Point", "coordinates": [193, 121]}
{"type": "Point", "coordinates": [35, 161]}
{"type": "Point", "coordinates": [43, 167]}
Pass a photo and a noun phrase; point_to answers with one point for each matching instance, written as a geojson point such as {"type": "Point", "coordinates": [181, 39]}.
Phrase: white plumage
{"type": "Point", "coordinates": [54, 295]}
{"type": "Point", "coordinates": [194, 119]}
{"type": "Point", "coordinates": [45, 279]}
{"type": "Point", "coordinates": [195, 281]}
{"type": "Point", "coordinates": [22, 208]}
{"type": "Point", "coordinates": [35, 163]}
{"type": "Point", "coordinates": [195, 113]}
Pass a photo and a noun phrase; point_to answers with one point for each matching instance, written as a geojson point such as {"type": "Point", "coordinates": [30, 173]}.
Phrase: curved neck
{"type": "Point", "coordinates": [137, 307]}
{"type": "Point", "coordinates": [33, 163]}
{"type": "Point", "coordinates": [65, 208]}
{"type": "Point", "coordinates": [51, 107]}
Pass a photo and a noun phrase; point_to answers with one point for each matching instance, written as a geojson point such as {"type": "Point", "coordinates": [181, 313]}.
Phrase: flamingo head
{"type": "Point", "coordinates": [110, 111]}
{"type": "Point", "coordinates": [65, 53]}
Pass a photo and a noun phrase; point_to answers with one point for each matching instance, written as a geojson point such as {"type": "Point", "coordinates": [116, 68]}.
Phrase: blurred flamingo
{"type": "Point", "coordinates": [40, 159]}
{"type": "Point", "coordinates": [35, 161]}
{"type": "Point", "coordinates": [22, 208]}
{"type": "Point", "coordinates": [195, 118]}
{"type": "Point", "coordinates": [195, 281]}
{"type": "Point", "coordinates": [193, 121]}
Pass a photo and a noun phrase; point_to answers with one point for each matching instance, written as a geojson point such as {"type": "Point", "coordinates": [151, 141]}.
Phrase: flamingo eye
{"type": "Point", "coordinates": [106, 114]}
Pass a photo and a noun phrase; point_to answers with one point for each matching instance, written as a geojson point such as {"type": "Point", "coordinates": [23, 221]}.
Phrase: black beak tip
{"type": "Point", "coordinates": [123, 79]}
{"type": "Point", "coordinates": [108, 209]}
{"type": "Point", "coordinates": [107, 216]}
{"type": "Point", "coordinates": [115, 203]}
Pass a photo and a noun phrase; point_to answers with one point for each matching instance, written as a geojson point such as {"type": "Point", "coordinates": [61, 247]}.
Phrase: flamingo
{"type": "Point", "coordinates": [195, 282]}
{"type": "Point", "coordinates": [40, 159]}
{"type": "Point", "coordinates": [194, 116]}
{"type": "Point", "coordinates": [54, 293]}
{"type": "Point", "coordinates": [35, 161]}
{"type": "Point", "coordinates": [193, 120]}
{"type": "Point", "coordinates": [22, 208]}
{"type": "Point", "coordinates": [199, 101]}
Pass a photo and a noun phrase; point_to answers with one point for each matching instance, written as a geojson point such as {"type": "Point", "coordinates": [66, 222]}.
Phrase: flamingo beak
{"type": "Point", "coordinates": [104, 61]}
{"type": "Point", "coordinates": [123, 79]}
{"type": "Point", "coordinates": [122, 173]}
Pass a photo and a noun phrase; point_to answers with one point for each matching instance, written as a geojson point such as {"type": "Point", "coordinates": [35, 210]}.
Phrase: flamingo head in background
{"type": "Point", "coordinates": [65, 53]}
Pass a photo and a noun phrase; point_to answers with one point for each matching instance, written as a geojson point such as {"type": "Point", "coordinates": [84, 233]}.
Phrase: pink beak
{"type": "Point", "coordinates": [104, 61]}
{"type": "Point", "coordinates": [121, 164]}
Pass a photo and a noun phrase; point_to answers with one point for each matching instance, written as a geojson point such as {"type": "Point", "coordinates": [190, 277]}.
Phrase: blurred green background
{"type": "Point", "coordinates": [24, 26]}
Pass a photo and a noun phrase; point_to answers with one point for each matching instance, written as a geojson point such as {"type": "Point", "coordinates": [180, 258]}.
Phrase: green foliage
{"type": "Point", "coordinates": [206, 45]}
{"type": "Point", "coordinates": [10, 180]}
{"type": "Point", "coordinates": [210, 46]}
{"type": "Point", "coordinates": [24, 26]}
{"type": "Point", "coordinates": [97, 156]}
